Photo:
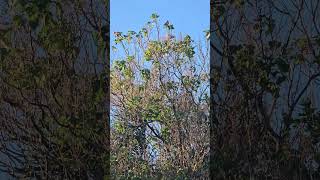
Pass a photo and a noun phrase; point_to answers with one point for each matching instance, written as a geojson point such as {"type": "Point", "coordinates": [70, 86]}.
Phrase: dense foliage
{"type": "Point", "coordinates": [159, 102]}
{"type": "Point", "coordinates": [53, 90]}
{"type": "Point", "coordinates": [264, 88]}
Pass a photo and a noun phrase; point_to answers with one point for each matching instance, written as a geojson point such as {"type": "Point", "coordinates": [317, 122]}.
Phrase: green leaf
{"type": "Point", "coordinates": [147, 55]}
{"type": "Point", "coordinates": [128, 73]}
{"type": "Point", "coordinates": [168, 25]}
{"type": "Point", "coordinates": [130, 58]}
{"type": "Point", "coordinates": [270, 26]}
{"type": "Point", "coordinates": [119, 128]}
{"type": "Point", "coordinates": [283, 65]}
{"type": "Point", "coordinates": [145, 74]}
{"type": "Point", "coordinates": [17, 20]}
{"type": "Point", "coordinates": [154, 16]}
{"type": "Point", "coordinates": [121, 65]}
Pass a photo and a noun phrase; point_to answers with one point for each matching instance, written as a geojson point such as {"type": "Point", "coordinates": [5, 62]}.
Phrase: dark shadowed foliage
{"type": "Point", "coordinates": [265, 89]}
{"type": "Point", "coordinates": [54, 89]}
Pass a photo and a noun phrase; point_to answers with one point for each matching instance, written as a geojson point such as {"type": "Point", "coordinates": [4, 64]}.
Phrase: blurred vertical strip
{"type": "Point", "coordinates": [108, 87]}
{"type": "Point", "coordinates": [211, 115]}
{"type": "Point", "coordinates": [55, 89]}
{"type": "Point", "coordinates": [264, 78]}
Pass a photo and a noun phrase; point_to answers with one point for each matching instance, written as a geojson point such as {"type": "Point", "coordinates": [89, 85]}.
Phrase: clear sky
{"type": "Point", "coordinates": [188, 16]}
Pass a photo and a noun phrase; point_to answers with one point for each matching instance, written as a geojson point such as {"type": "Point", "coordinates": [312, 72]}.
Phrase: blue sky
{"type": "Point", "coordinates": [188, 16]}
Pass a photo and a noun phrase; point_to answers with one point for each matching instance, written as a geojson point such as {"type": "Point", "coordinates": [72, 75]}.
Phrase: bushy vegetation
{"type": "Point", "coordinates": [159, 101]}
{"type": "Point", "coordinates": [264, 89]}
{"type": "Point", "coordinates": [54, 90]}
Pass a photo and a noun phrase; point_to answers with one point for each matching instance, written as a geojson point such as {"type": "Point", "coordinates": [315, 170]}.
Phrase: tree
{"type": "Point", "coordinates": [264, 81]}
{"type": "Point", "coordinates": [54, 90]}
{"type": "Point", "coordinates": [159, 104]}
